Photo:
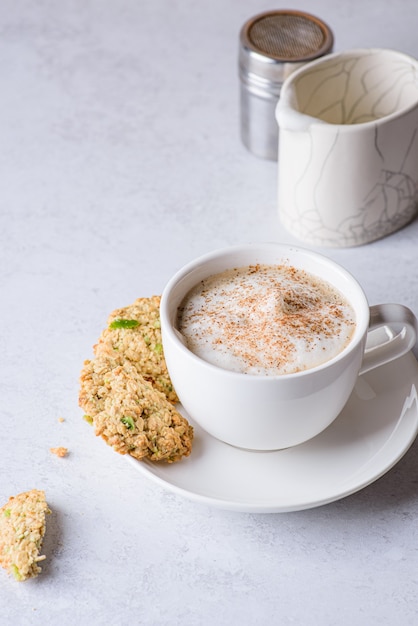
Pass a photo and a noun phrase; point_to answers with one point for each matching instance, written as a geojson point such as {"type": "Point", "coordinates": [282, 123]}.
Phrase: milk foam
{"type": "Point", "coordinates": [265, 319]}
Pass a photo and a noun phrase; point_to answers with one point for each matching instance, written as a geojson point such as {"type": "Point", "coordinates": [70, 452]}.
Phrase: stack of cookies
{"type": "Point", "coordinates": [126, 391]}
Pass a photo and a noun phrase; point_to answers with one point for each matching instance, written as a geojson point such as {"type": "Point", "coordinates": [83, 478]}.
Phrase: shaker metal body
{"type": "Point", "coordinates": [272, 46]}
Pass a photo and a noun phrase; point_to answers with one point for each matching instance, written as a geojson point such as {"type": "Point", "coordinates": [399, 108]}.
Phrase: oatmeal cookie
{"type": "Point", "coordinates": [133, 334]}
{"type": "Point", "coordinates": [130, 414]}
{"type": "Point", "coordinates": [22, 529]}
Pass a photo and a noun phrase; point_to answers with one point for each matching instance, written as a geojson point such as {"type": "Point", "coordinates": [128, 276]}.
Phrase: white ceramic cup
{"type": "Point", "coordinates": [271, 412]}
{"type": "Point", "coordinates": [348, 147]}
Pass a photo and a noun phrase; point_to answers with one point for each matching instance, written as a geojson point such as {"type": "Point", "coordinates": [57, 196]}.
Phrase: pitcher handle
{"type": "Point", "coordinates": [401, 329]}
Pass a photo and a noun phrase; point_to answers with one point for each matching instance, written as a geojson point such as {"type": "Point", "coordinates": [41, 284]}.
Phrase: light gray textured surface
{"type": "Point", "coordinates": [120, 160]}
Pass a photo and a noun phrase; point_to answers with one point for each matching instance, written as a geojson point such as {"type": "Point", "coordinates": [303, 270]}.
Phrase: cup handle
{"type": "Point", "coordinates": [400, 328]}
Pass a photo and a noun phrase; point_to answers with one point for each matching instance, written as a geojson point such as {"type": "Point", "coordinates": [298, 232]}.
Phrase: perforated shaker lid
{"type": "Point", "coordinates": [271, 40]}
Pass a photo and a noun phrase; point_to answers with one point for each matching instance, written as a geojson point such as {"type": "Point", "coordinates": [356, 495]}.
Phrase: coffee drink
{"type": "Point", "coordinates": [265, 320]}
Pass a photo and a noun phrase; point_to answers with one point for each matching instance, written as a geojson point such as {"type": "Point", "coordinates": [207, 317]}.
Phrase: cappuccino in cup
{"type": "Point", "coordinates": [255, 321]}
{"type": "Point", "coordinates": [265, 319]}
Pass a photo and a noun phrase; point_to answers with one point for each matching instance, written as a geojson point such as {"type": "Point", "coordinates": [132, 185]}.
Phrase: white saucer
{"type": "Point", "coordinates": [375, 429]}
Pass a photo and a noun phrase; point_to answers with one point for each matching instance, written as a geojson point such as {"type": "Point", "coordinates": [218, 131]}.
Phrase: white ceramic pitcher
{"type": "Point", "coordinates": [348, 147]}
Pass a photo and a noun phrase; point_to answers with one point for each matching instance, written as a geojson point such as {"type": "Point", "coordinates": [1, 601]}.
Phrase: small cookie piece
{"type": "Point", "coordinates": [22, 529]}
{"type": "Point", "coordinates": [134, 334]}
{"type": "Point", "coordinates": [130, 414]}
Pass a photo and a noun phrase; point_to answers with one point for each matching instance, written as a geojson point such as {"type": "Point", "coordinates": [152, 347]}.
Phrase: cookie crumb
{"type": "Point", "coordinates": [61, 420]}
{"type": "Point", "coordinates": [60, 451]}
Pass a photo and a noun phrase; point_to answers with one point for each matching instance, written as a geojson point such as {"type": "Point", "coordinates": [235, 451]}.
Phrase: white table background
{"type": "Point", "coordinates": [120, 160]}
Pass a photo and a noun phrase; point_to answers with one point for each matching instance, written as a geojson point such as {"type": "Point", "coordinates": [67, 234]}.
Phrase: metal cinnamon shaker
{"type": "Point", "coordinates": [272, 46]}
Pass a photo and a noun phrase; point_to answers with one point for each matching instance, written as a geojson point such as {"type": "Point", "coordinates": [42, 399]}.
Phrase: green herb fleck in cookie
{"type": "Point", "coordinates": [120, 323]}
{"type": "Point", "coordinates": [128, 421]}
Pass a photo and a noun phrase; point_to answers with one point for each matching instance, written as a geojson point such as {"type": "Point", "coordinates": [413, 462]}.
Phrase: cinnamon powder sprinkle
{"type": "Point", "coordinates": [266, 319]}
